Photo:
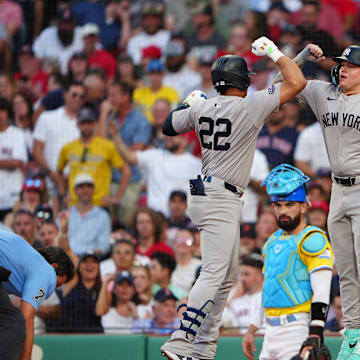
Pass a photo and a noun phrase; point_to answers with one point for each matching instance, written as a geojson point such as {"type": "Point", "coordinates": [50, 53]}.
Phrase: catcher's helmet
{"type": "Point", "coordinates": [230, 70]}
{"type": "Point", "coordinates": [350, 54]}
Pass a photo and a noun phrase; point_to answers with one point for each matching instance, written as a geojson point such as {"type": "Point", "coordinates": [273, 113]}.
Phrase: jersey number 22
{"type": "Point", "coordinates": [218, 134]}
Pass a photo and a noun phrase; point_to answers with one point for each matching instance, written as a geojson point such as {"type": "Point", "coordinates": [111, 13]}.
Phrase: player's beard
{"type": "Point", "coordinates": [289, 224]}
{"type": "Point", "coordinates": [66, 37]}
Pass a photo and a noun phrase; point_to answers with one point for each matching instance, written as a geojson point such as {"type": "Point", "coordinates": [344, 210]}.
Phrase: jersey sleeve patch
{"type": "Point", "coordinates": [314, 244]}
{"type": "Point", "coordinates": [271, 90]}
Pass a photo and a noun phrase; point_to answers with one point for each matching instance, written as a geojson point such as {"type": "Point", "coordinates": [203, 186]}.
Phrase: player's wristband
{"type": "Point", "coordinates": [319, 313]}
{"type": "Point", "coordinates": [275, 55]}
{"type": "Point", "coordinates": [302, 56]}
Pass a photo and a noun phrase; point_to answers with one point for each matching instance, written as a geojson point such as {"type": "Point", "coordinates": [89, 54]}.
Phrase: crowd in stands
{"type": "Point", "coordinates": [85, 86]}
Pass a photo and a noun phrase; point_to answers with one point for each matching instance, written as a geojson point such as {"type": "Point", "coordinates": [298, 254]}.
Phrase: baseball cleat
{"type": "Point", "coordinates": [172, 356]}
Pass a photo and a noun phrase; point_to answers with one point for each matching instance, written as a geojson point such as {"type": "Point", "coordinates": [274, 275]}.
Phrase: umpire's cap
{"type": "Point", "coordinates": [230, 70]}
{"type": "Point", "coordinates": [350, 54]}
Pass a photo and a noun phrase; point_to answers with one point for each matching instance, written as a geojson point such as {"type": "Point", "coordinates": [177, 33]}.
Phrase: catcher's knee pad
{"type": "Point", "coordinates": [194, 318]}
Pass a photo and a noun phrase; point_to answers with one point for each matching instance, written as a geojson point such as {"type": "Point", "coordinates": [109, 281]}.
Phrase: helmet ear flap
{"type": "Point", "coordinates": [334, 74]}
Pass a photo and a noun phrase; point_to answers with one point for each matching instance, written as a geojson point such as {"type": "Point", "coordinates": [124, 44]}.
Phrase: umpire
{"type": "Point", "coordinates": [32, 276]}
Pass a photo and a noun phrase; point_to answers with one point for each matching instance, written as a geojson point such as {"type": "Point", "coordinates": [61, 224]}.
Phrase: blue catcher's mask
{"type": "Point", "coordinates": [286, 183]}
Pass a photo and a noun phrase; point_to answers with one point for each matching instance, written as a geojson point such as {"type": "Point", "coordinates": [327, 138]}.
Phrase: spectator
{"type": "Point", "coordinates": [49, 233]}
{"type": "Point", "coordinates": [23, 112]}
{"type": "Point", "coordinates": [317, 214]}
{"type": "Point", "coordinates": [93, 155]}
{"type": "Point", "coordinates": [160, 110]}
{"type": "Point", "coordinates": [24, 226]}
{"type": "Point", "coordinates": [183, 276]}
{"type": "Point", "coordinates": [146, 96]}
{"type": "Point", "coordinates": [256, 25]}
{"type": "Point", "coordinates": [252, 194]}
{"type": "Point", "coordinates": [112, 19]}
{"type": "Point", "coordinates": [206, 85]}
{"type": "Point", "coordinates": [277, 141]}
{"type": "Point", "coordinates": [228, 13]}
{"type": "Point", "coordinates": [336, 324]}
{"type": "Point", "coordinates": [31, 79]}
{"type": "Point", "coordinates": [149, 53]}
{"type": "Point", "coordinates": [162, 267]}
{"type": "Point", "coordinates": [13, 158]}
{"type": "Point", "coordinates": [316, 192]}
{"type": "Point", "coordinates": [264, 227]}
{"type": "Point", "coordinates": [205, 38]}
{"type": "Point", "coordinates": [60, 41]}
{"type": "Point", "coordinates": [11, 16]}
{"type": "Point", "coordinates": [7, 86]}
{"type": "Point", "coordinates": [118, 318]}
{"type": "Point", "coordinates": [33, 194]}
{"type": "Point", "coordinates": [78, 67]}
{"type": "Point", "coordinates": [42, 213]}
{"type": "Point", "coordinates": [247, 239]}
{"type": "Point", "coordinates": [242, 309]}
{"type": "Point", "coordinates": [177, 208]}
{"type": "Point", "coordinates": [122, 258]}
{"type": "Point", "coordinates": [323, 178]}
{"type": "Point", "coordinates": [89, 225]}
{"type": "Point", "coordinates": [143, 287]}
{"type": "Point", "coordinates": [164, 320]}
{"type": "Point", "coordinates": [306, 159]}
{"type": "Point", "coordinates": [165, 170]}
{"type": "Point", "coordinates": [49, 309]}
{"type": "Point", "coordinates": [146, 224]}
{"type": "Point", "coordinates": [126, 71]}
{"type": "Point", "coordinates": [134, 129]}
{"type": "Point", "coordinates": [310, 32]}
{"type": "Point", "coordinates": [53, 130]}
{"type": "Point", "coordinates": [152, 31]}
{"type": "Point", "coordinates": [178, 75]}
{"type": "Point", "coordinates": [96, 87]}
{"type": "Point", "coordinates": [78, 297]}
{"type": "Point", "coordinates": [240, 44]}
{"type": "Point", "coordinates": [97, 58]}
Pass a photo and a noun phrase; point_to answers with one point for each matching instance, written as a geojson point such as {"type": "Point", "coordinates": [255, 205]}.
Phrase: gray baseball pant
{"type": "Point", "coordinates": [344, 231]}
{"type": "Point", "coordinates": [217, 216]}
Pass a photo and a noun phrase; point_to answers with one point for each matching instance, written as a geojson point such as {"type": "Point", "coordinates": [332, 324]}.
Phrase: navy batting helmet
{"type": "Point", "coordinates": [230, 70]}
{"type": "Point", "coordinates": [350, 54]}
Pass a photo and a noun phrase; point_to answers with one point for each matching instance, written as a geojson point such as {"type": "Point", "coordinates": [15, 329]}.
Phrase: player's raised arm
{"type": "Point", "coordinates": [294, 80]}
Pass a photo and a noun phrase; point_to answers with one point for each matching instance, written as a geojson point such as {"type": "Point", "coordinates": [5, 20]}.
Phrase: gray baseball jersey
{"type": "Point", "coordinates": [339, 117]}
{"type": "Point", "coordinates": [227, 127]}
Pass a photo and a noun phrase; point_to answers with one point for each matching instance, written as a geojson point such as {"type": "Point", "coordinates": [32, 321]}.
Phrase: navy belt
{"type": "Point", "coordinates": [345, 181]}
{"type": "Point", "coordinates": [227, 186]}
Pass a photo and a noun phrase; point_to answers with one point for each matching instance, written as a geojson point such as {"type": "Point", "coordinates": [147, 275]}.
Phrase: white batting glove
{"type": "Point", "coordinates": [264, 46]}
{"type": "Point", "coordinates": [194, 97]}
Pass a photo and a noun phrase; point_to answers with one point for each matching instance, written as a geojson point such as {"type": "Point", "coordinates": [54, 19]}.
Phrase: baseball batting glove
{"type": "Point", "coordinates": [194, 97]}
{"type": "Point", "coordinates": [313, 353]}
{"type": "Point", "coordinates": [264, 46]}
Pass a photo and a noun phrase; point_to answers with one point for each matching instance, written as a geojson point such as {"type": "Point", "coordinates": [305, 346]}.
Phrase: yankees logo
{"type": "Point", "coordinates": [40, 295]}
{"type": "Point", "coordinates": [347, 52]}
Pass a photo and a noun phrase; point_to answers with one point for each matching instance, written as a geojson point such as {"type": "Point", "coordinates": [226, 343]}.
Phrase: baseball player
{"type": "Point", "coordinates": [33, 277]}
{"type": "Point", "coordinates": [227, 127]}
{"type": "Point", "coordinates": [337, 108]}
{"type": "Point", "coordinates": [298, 263]}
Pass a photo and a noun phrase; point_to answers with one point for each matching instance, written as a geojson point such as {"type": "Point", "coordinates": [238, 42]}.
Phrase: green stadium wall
{"type": "Point", "coordinates": [136, 347]}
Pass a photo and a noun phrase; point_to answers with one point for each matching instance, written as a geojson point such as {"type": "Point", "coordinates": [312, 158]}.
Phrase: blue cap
{"type": "Point", "coordinates": [286, 183]}
{"type": "Point", "coordinates": [155, 66]}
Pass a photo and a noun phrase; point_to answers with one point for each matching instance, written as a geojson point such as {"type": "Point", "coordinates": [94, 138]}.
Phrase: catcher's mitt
{"type": "Point", "coordinates": [324, 353]}
{"type": "Point", "coordinates": [313, 353]}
